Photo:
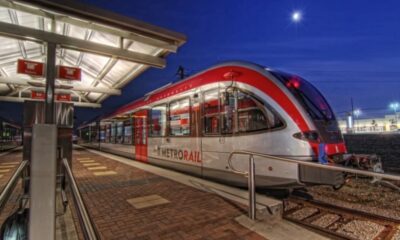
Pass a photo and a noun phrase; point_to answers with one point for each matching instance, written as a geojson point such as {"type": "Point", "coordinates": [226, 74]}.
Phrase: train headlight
{"type": "Point", "coordinates": [309, 136]}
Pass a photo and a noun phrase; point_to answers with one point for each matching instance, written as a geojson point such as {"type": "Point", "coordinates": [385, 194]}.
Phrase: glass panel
{"type": "Point", "coordinates": [227, 111]}
{"type": "Point", "coordinates": [102, 135]}
{"type": "Point", "coordinates": [252, 118]}
{"type": "Point", "coordinates": [108, 133]}
{"type": "Point", "coordinates": [180, 118]}
{"type": "Point", "coordinates": [113, 133]}
{"type": "Point", "coordinates": [211, 112]}
{"type": "Point", "coordinates": [158, 121]}
{"type": "Point", "coordinates": [308, 95]}
{"type": "Point", "coordinates": [120, 127]}
{"type": "Point", "coordinates": [128, 132]}
{"type": "Point", "coordinates": [195, 117]}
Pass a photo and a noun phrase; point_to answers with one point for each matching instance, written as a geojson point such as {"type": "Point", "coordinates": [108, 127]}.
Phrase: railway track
{"type": "Point", "coordinates": [340, 222]}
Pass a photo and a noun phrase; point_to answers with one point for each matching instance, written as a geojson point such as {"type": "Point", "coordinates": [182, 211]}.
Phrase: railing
{"type": "Point", "coordinates": [251, 174]}
{"type": "Point", "coordinates": [8, 189]}
{"type": "Point", "coordinates": [84, 219]}
{"type": "Point", "coordinates": [250, 181]}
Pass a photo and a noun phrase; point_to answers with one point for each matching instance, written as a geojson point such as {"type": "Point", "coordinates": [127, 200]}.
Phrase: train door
{"type": "Point", "coordinates": [218, 125]}
{"type": "Point", "coordinates": [183, 142]}
{"type": "Point", "coordinates": [140, 123]}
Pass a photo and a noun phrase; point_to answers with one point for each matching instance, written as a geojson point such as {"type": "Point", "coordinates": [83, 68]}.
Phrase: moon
{"type": "Point", "coordinates": [296, 16]}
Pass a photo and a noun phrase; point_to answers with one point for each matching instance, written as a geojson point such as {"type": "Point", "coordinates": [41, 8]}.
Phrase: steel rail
{"type": "Point", "coordinates": [8, 189]}
{"type": "Point", "coordinates": [346, 209]}
{"type": "Point", "coordinates": [332, 167]}
{"type": "Point", "coordinates": [389, 223]}
{"type": "Point", "coordinates": [84, 219]}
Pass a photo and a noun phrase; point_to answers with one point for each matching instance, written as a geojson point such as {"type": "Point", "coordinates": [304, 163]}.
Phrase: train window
{"type": "Point", "coordinates": [195, 116]}
{"type": "Point", "coordinates": [211, 112]}
{"type": "Point", "coordinates": [108, 133]}
{"type": "Point", "coordinates": [252, 118]}
{"type": "Point", "coordinates": [158, 120]}
{"type": "Point", "coordinates": [120, 132]}
{"type": "Point", "coordinates": [312, 100]}
{"type": "Point", "coordinates": [179, 117]}
{"type": "Point", "coordinates": [128, 131]}
{"type": "Point", "coordinates": [113, 132]}
{"type": "Point", "coordinates": [102, 134]}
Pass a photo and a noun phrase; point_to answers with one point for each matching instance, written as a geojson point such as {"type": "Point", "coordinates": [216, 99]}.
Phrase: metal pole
{"type": "Point", "coordinates": [6, 193]}
{"type": "Point", "coordinates": [50, 81]}
{"type": "Point", "coordinates": [86, 223]}
{"type": "Point", "coordinates": [90, 134]}
{"type": "Point", "coordinates": [98, 133]}
{"type": "Point", "coordinates": [252, 195]}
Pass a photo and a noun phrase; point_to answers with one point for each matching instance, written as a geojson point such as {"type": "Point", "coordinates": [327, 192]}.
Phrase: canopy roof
{"type": "Point", "coordinates": [110, 49]}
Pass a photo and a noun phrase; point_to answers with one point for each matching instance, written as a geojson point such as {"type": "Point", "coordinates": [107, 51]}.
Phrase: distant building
{"type": "Point", "coordinates": [389, 123]}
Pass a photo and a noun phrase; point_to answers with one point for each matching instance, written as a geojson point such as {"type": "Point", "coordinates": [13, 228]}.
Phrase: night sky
{"type": "Point", "coordinates": [347, 49]}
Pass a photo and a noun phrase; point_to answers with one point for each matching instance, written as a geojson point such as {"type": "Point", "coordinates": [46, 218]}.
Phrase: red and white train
{"type": "Point", "coordinates": [194, 124]}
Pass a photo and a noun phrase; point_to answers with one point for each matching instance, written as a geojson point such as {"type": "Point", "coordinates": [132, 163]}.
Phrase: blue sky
{"type": "Point", "coordinates": [345, 48]}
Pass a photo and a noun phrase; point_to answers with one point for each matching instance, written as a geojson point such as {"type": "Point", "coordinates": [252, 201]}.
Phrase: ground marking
{"type": "Point", "coordinates": [97, 168]}
{"type": "Point", "coordinates": [86, 161]}
{"type": "Point", "coordinates": [6, 167]}
{"type": "Point", "coordinates": [147, 201]}
{"type": "Point", "coordinates": [10, 163]}
{"type": "Point", "coordinates": [105, 173]}
{"type": "Point", "coordinates": [91, 164]}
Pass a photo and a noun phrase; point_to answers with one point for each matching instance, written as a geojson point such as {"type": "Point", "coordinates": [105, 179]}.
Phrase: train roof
{"type": "Point", "coordinates": [132, 105]}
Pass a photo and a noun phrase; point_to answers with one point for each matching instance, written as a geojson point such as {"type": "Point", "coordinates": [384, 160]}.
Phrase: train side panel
{"type": "Point", "coordinates": [181, 153]}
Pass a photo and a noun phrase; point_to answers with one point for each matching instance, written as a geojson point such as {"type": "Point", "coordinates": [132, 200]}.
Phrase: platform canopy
{"type": "Point", "coordinates": [109, 49]}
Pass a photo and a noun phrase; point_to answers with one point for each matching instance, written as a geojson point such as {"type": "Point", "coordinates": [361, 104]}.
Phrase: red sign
{"type": "Point", "coordinates": [38, 95]}
{"type": "Point", "coordinates": [68, 73]}
{"type": "Point", "coordinates": [30, 67]}
{"type": "Point", "coordinates": [63, 97]}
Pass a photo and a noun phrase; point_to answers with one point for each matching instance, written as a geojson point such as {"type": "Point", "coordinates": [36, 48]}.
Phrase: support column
{"type": "Point", "coordinates": [43, 173]}
{"type": "Point", "coordinates": [50, 82]}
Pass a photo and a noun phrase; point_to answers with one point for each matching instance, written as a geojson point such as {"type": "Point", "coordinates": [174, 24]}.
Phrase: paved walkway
{"type": "Point", "coordinates": [129, 203]}
{"type": "Point", "coordinates": [8, 164]}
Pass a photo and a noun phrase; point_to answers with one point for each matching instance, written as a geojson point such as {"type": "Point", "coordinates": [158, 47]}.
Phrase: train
{"type": "Point", "coordinates": [194, 124]}
{"type": "Point", "coordinates": [10, 135]}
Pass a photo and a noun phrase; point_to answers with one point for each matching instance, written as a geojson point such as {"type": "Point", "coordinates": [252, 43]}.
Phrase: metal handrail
{"type": "Point", "coordinates": [251, 173]}
{"type": "Point", "coordinates": [8, 189]}
{"type": "Point", "coordinates": [329, 166]}
{"type": "Point", "coordinates": [84, 219]}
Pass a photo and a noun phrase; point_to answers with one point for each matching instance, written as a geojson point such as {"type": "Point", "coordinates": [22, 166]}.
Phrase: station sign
{"type": "Point", "coordinates": [30, 67]}
{"type": "Point", "coordinates": [69, 73]}
{"type": "Point", "coordinates": [63, 97]}
{"type": "Point", "coordinates": [38, 95]}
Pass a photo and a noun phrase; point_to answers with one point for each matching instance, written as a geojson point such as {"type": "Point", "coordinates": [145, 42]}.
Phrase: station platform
{"type": "Point", "coordinates": [130, 203]}
{"type": "Point", "coordinates": [128, 199]}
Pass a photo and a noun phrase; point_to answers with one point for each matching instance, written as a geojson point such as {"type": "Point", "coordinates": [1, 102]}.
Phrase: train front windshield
{"type": "Point", "coordinates": [312, 100]}
{"type": "Point", "coordinates": [315, 104]}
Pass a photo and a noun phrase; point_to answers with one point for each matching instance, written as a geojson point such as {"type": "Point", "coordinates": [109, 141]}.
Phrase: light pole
{"type": "Point", "coordinates": [357, 112]}
{"type": "Point", "coordinates": [394, 106]}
